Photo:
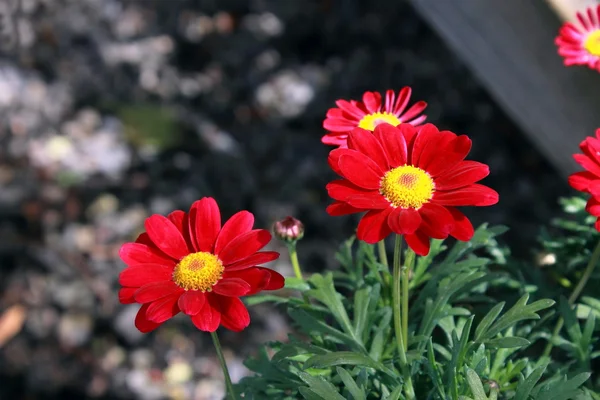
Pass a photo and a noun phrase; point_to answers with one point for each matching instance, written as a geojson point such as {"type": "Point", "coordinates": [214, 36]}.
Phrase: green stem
{"type": "Point", "coordinates": [228, 384]}
{"type": "Point", "coordinates": [396, 305]}
{"type": "Point", "coordinates": [410, 260]}
{"type": "Point", "coordinates": [294, 260]}
{"type": "Point", "coordinates": [587, 273]}
{"type": "Point", "coordinates": [382, 253]}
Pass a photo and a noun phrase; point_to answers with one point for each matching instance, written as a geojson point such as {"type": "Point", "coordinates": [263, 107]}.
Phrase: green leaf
{"type": "Point", "coordinates": [356, 392]}
{"type": "Point", "coordinates": [519, 312]}
{"type": "Point", "coordinates": [346, 358]}
{"type": "Point", "coordinates": [395, 395]}
{"type": "Point", "coordinates": [476, 385]}
{"type": "Point", "coordinates": [325, 292]}
{"type": "Point", "coordinates": [561, 389]}
{"type": "Point", "coordinates": [524, 388]}
{"type": "Point", "coordinates": [488, 320]}
{"type": "Point", "coordinates": [296, 284]}
{"type": "Point", "coordinates": [319, 387]}
{"type": "Point", "coordinates": [508, 342]}
{"type": "Point", "coordinates": [361, 306]}
{"type": "Point", "coordinates": [309, 394]}
{"type": "Point", "coordinates": [312, 324]}
{"type": "Point", "coordinates": [265, 298]}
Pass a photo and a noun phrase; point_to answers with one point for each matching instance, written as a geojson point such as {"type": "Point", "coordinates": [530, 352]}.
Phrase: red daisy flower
{"type": "Point", "coordinates": [369, 113]}
{"type": "Point", "coordinates": [409, 181]}
{"type": "Point", "coordinates": [187, 262]}
{"type": "Point", "coordinates": [588, 181]}
{"type": "Point", "coordinates": [581, 45]}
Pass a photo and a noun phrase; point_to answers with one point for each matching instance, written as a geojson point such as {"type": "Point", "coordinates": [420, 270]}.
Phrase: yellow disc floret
{"type": "Point", "coordinates": [592, 43]}
{"type": "Point", "coordinates": [407, 187]}
{"type": "Point", "coordinates": [198, 271]}
{"type": "Point", "coordinates": [370, 121]}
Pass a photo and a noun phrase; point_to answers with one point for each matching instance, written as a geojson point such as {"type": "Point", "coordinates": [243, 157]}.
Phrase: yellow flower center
{"type": "Point", "coordinates": [592, 43]}
{"type": "Point", "coordinates": [198, 271]}
{"type": "Point", "coordinates": [407, 187]}
{"type": "Point", "coordinates": [370, 121]}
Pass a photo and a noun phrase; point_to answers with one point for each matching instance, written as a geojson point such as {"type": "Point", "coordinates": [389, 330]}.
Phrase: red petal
{"type": "Point", "coordinates": [427, 135]}
{"type": "Point", "coordinates": [413, 111]}
{"type": "Point", "coordinates": [166, 236]}
{"type": "Point", "coordinates": [156, 290]}
{"type": "Point", "coordinates": [389, 101]}
{"type": "Point", "coordinates": [339, 125]}
{"type": "Point", "coordinates": [463, 174]}
{"type": "Point", "coordinates": [257, 278]}
{"type": "Point", "coordinates": [364, 142]}
{"type": "Point", "coordinates": [581, 180]}
{"type": "Point", "coordinates": [472, 195]}
{"type": "Point", "coordinates": [350, 109]}
{"type": "Point", "coordinates": [334, 159]}
{"type": "Point", "coordinates": [209, 316]}
{"type": "Point", "coordinates": [436, 148]}
{"type": "Point", "coordinates": [232, 287]}
{"type": "Point", "coordinates": [143, 324]}
{"type": "Point", "coordinates": [402, 101]}
{"type": "Point", "coordinates": [341, 189]}
{"type": "Point", "coordinates": [140, 275]}
{"type": "Point", "coordinates": [587, 163]}
{"type": "Point", "coordinates": [373, 226]}
{"type": "Point", "coordinates": [339, 208]}
{"type": "Point", "coordinates": [593, 207]}
{"type": "Point", "coordinates": [276, 281]}
{"type": "Point", "coordinates": [418, 242]}
{"type": "Point", "coordinates": [255, 259]}
{"type": "Point", "coordinates": [372, 101]}
{"type": "Point", "coordinates": [181, 221]}
{"type": "Point", "coordinates": [234, 315]}
{"type": "Point", "coordinates": [163, 309]}
{"type": "Point", "coordinates": [239, 223]}
{"type": "Point", "coordinates": [335, 139]}
{"type": "Point", "coordinates": [437, 221]}
{"type": "Point", "coordinates": [205, 223]}
{"type": "Point", "coordinates": [393, 142]}
{"type": "Point", "coordinates": [244, 246]}
{"type": "Point", "coordinates": [452, 154]}
{"type": "Point", "coordinates": [404, 220]}
{"type": "Point", "coordinates": [463, 229]}
{"type": "Point", "coordinates": [360, 169]}
{"type": "Point", "coordinates": [191, 302]}
{"type": "Point", "coordinates": [137, 253]}
{"type": "Point", "coordinates": [126, 295]}
{"type": "Point", "coordinates": [370, 201]}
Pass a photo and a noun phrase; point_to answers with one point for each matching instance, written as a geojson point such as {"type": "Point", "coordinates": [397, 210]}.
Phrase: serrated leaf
{"type": "Point", "coordinates": [524, 388]}
{"type": "Point", "coordinates": [346, 358]}
{"type": "Point", "coordinates": [312, 324]}
{"type": "Point", "coordinates": [356, 392]}
{"type": "Point", "coordinates": [296, 284]}
{"type": "Point", "coordinates": [475, 385]}
{"type": "Point", "coordinates": [488, 320]}
{"type": "Point", "coordinates": [396, 393]}
{"type": "Point", "coordinates": [508, 342]}
{"type": "Point", "coordinates": [319, 387]}
{"type": "Point", "coordinates": [561, 389]}
{"type": "Point", "coordinates": [519, 312]}
{"type": "Point", "coordinates": [361, 306]}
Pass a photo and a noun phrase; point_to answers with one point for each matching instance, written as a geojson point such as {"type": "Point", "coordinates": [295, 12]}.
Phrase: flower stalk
{"type": "Point", "coordinates": [219, 350]}
{"type": "Point", "coordinates": [587, 273]}
{"type": "Point", "coordinates": [396, 307]}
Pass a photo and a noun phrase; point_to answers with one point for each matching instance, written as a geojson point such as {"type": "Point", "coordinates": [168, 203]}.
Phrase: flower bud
{"type": "Point", "coordinates": [289, 230]}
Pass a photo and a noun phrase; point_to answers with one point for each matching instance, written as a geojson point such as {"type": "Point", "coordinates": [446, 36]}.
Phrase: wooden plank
{"type": "Point", "coordinates": [509, 45]}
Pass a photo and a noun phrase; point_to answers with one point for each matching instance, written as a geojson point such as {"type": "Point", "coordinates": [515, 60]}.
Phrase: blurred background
{"type": "Point", "coordinates": [112, 110]}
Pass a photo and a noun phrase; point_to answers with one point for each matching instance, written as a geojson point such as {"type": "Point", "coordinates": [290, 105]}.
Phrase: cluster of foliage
{"type": "Point", "coordinates": [478, 324]}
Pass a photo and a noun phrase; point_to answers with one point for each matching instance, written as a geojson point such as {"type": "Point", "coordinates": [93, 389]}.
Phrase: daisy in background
{"type": "Point", "coordinates": [188, 262]}
{"type": "Point", "coordinates": [409, 181]}
{"type": "Point", "coordinates": [588, 181]}
{"type": "Point", "coordinates": [369, 113]}
{"type": "Point", "coordinates": [580, 45]}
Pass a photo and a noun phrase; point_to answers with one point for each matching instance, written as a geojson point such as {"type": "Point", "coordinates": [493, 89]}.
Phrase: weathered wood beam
{"type": "Point", "coordinates": [509, 45]}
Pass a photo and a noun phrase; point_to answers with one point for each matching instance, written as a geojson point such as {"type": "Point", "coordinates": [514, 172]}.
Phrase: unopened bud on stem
{"type": "Point", "coordinates": [288, 230]}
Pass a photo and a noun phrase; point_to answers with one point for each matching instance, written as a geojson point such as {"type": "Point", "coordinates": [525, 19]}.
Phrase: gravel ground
{"type": "Point", "coordinates": [113, 110]}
